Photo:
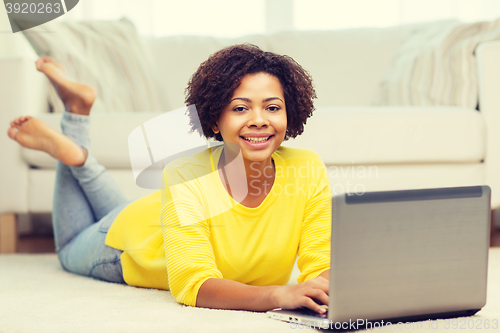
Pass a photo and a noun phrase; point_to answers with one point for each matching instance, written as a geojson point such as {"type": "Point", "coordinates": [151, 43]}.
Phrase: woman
{"type": "Point", "coordinates": [210, 241]}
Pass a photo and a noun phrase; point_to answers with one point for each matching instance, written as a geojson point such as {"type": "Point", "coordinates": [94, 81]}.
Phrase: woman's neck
{"type": "Point", "coordinates": [246, 178]}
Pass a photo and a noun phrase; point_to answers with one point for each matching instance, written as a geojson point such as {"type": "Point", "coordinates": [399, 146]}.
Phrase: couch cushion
{"type": "Point", "coordinates": [368, 135]}
{"type": "Point", "coordinates": [340, 135]}
{"type": "Point", "coordinates": [390, 177]}
{"type": "Point", "coordinates": [350, 179]}
{"type": "Point", "coordinates": [41, 188]}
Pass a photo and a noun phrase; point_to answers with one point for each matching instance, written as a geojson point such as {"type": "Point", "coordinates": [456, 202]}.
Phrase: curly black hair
{"type": "Point", "coordinates": [211, 87]}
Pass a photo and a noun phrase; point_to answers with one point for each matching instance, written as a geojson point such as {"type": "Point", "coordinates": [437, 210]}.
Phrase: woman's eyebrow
{"type": "Point", "coordinates": [241, 98]}
{"type": "Point", "coordinates": [250, 101]}
{"type": "Point", "coordinates": [272, 98]}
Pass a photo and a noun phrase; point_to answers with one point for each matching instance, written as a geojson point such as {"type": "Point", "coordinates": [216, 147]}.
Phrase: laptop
{"type": "Point", "coordinates": [403, 256]}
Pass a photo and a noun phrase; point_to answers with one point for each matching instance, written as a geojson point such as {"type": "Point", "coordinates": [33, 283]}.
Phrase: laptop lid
{"type": "Point", "coordinates": [409, 253]}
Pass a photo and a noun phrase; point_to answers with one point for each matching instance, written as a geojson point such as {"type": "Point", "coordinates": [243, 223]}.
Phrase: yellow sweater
{"type": "Point", "coordinates": [192, 230]}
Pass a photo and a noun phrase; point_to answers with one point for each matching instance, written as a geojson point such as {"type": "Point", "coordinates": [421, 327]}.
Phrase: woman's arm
{"type": "Point", "coordinates": [314, 244]}
{"type": "Point", "coordinates": [228, 294]}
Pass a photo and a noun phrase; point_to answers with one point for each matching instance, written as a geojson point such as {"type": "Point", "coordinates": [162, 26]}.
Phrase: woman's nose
{"type": "Point", "coordinates": [258, 118]}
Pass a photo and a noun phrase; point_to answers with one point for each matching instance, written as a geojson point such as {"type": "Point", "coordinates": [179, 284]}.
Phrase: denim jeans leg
{"type": "Point", "coordinates": [86, 201]}
{"type": "Point", "coordinates": [87, 254]}
{"type": "Point", "coordinates": [71, 211]}
{"type": "Point", "coordinates": [99, 187]}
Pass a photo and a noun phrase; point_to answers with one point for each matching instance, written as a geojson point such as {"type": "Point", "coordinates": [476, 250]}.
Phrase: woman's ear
{"type": "Point", "coordinates": [215, 128]}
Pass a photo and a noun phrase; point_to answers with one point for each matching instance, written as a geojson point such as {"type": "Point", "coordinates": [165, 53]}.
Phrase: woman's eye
{"type": "Point", "coordinates": [239, 109]}
{"type": "Point", "coordinates": [274, 108]}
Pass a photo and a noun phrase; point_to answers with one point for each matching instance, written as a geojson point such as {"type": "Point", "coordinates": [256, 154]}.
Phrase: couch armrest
{"type": "Point", "coordinates": [22, 92]}
{"type": "Point", "coordinates": [487, 57]}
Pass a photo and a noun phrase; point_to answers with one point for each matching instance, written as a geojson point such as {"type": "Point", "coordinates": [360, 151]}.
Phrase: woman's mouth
{"type": "Point", "coordinates": [257, 142]}
{"type": "Point", "coordinates": [256, 139]}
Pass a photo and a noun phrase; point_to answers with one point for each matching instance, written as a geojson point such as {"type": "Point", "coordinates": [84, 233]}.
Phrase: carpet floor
{"type": "Point", "coordinates": [37, 295]}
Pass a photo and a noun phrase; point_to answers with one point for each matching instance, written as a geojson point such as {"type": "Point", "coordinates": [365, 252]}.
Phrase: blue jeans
{"type": "Point", "coordinates": [86, 202]}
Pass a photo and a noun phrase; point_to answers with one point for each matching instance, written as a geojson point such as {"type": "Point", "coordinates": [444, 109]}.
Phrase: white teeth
{"type": "Point", "coordinates": [257, 140]}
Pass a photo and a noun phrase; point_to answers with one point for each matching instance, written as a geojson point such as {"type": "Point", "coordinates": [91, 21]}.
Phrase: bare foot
{"type": "Point", "coordinates": [32, 133]}
{"type": "Point", "coordinates": [77, 98]}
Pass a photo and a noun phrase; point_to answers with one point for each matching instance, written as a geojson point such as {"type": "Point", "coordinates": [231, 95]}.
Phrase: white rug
{"type": "Point", "coordinates": [37, 295]}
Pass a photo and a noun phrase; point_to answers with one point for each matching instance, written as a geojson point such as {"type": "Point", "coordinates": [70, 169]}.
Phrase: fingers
{"type": "Point", "coordinates": [317, 292]}
{"type": "Point", "coordinates": [309, 303]}
{"type": "Point", "coordinates": [319, 296]}
{"type": "Point", "coordinates": [311, 294]}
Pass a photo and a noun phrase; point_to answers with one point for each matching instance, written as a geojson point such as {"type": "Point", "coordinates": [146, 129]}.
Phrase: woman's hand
{"type": "Point", "coordinates": [302, 295]}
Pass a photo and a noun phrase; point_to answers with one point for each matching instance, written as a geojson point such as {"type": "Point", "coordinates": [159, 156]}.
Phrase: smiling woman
{"type": "Point", "coordinates": [227, 227]}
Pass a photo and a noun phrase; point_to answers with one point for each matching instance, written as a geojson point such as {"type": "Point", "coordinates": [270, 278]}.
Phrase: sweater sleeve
{"type": "Point", "coordinates": [314, 244]}
{"type": "Point", "coordinates": [188, 251]}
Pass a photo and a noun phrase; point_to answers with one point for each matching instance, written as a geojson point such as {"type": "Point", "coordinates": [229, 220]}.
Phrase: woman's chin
{"type": "Point", "coordinates": [257, 157]}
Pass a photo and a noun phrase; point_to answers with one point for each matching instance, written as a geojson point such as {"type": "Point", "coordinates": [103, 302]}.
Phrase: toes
{"type": "Point", "coordinates": [46, 60]}
{"type": "Point", "coordinates": [19, 121]}
{"type": "Point", "coordinates": [12, 132]}
{"type": "Point", "coordinates": [39, 64]}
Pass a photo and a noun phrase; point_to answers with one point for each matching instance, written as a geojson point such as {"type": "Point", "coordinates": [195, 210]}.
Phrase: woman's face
{"type": "Point", "coordinates": [255, 118]}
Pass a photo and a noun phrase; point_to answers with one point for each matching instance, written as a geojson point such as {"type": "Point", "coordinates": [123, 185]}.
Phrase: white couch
{"type": "Point", "coordinates": [366, 147]}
